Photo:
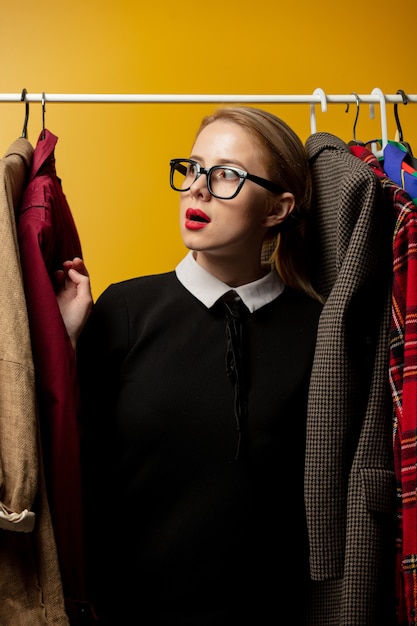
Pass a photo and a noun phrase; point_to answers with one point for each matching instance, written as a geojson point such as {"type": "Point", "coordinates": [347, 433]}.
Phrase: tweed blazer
{"type": "Point", "coordinates": [30, 584]}
{"type": "Point", "coordinates": [349, 472]}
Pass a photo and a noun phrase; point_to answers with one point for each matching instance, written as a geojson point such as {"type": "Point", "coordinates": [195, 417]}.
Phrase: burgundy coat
{"type": "Point", "coordinates": [47, 237]}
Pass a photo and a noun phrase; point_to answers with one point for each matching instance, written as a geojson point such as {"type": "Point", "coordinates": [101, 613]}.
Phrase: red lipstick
{"type": "Point", "coordinates": [195, 219]}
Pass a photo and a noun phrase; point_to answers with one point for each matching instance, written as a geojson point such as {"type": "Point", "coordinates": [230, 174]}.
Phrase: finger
{"type": "Point", "coordinates": [67, 265]}
{"type": "Point", "coordinates": [79, 265]}
{"type": "Point", "coordinates": [82, 281]}
{"type": "Point", "coordinates": [59, 278]}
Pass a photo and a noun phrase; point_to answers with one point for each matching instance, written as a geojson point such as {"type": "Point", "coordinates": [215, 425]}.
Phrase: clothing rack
{"type": "Point", "coordinates": [318, 96]}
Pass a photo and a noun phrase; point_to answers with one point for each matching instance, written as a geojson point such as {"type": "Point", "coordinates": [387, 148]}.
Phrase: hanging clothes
{"type": "Point", "coordinates": [48, 236]}
{"type": "Point", "coordinates": [30, 584]}
{"type": "Point", "coordinates": [400, 166]}
{"type": "Point", "coordinates": [403, 383]}
{"type": "Point", "coordinates": [349, 473]}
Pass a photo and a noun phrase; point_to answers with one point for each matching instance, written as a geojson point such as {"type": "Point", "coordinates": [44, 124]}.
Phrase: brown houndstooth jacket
{"type": "Point", "coordinates": [349, 476]}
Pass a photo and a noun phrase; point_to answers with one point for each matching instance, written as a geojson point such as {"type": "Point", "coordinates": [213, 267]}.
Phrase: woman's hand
{"type": "Point", "coordinates": [73, 292]}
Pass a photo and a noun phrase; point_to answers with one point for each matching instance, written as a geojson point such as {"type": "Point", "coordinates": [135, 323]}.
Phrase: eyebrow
{"type": "Point", "coordinates": [237, 164]}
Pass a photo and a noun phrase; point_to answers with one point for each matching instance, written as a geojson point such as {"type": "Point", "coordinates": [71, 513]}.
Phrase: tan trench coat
{"type": "Point", "coordinates": [30, 583]}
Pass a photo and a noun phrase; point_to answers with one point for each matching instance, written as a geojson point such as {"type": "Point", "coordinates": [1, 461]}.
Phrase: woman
{"type": "Point", "coordinates": [194, 392]}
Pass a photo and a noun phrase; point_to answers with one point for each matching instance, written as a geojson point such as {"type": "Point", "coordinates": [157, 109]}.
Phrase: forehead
{"type": "Point", "coordinates": [225, 140]}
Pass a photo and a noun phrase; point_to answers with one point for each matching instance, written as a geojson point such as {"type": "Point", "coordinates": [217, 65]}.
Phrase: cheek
{"type": "Point", "coordinates": [184, 202]}
{"type": "Point", "coordinates": [253, 210]}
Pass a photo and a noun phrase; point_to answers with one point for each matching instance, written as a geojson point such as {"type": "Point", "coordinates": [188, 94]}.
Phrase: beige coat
{"type": "Point", "coordinates": [30, 583]}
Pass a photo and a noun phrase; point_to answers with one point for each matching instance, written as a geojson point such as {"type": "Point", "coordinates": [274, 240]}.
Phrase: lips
{"type": "Point", "coordinates": [196, 219]}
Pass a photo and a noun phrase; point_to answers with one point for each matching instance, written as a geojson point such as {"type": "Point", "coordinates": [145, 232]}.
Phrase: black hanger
{"type": "Point", "coordinates": [397, 119]}
{"type": "Point", "coordinates": [410, 158]}
{"type": "Point", "coordinates": [354, 141]}
{"type": "Point", "coordinates": [25, 125]}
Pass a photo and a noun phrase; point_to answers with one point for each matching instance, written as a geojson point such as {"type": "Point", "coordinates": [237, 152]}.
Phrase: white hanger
{"type": "Point", "coordinates": [323, 99]}
{"type": "Point", "coordinates": [384, 127]}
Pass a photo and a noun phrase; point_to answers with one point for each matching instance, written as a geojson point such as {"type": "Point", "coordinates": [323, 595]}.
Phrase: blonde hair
{"type": "Point", "coordinates": [286, 161]}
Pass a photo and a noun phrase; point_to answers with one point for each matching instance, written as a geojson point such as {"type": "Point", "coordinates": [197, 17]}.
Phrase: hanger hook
{"type": "Point", "coordinates": [397, 119]}
{"type": "Point", "coordinates": [358, 104]}
{"type": "Point", "coordinates": [25, 124]}
{"type": "Point", "coordinates": [383, 112]}
{"type": "Point", "coordinates": [323, 100]}
{"type": "Point", "coordinates": [43, 115]}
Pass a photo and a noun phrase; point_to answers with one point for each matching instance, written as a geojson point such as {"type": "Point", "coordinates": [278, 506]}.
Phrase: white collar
{"type": "Point", "coordinates": [208, 289]}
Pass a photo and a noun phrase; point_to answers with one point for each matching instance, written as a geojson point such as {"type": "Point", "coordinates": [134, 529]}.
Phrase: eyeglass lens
{"type": "Point", "coordinates": [223, 181]}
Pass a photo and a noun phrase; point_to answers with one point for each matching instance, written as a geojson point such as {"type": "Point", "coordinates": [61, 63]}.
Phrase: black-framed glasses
{"type": "Point", "coordinates": [223, 182]}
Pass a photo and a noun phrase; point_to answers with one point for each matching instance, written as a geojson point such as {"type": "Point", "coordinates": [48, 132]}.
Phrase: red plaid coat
{"type": "Point", "coordinates": [403, 382]}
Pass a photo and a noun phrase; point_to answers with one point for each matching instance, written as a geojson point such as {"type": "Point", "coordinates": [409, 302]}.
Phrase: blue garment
{"type": "Point", "coordinates": [399, 167]}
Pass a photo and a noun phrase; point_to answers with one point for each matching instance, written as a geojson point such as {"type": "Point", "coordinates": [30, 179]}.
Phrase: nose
{"type": "Point", "coordinates": [199, 186]}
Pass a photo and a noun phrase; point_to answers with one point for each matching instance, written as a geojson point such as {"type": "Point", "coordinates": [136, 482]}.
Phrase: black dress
{"type": "Point", "coordinates": [185, 515]}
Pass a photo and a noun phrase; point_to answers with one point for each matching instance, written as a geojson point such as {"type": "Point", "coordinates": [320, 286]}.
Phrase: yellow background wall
{"type": "Point", "coordinates": [113, 159]}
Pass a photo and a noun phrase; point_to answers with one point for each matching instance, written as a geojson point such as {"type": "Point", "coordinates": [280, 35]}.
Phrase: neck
{"type": "Point", "coordinates": [233, 273]}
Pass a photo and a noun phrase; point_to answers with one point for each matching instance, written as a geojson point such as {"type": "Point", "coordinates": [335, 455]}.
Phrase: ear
{"type": "Point", "coordinates": [279, 209]}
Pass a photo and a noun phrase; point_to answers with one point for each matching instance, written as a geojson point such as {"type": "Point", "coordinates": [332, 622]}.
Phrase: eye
{"type": "Point", "coordinates": [192, 169]}
{"type": "Point", "coordinates": [227, 174]}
